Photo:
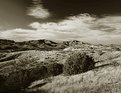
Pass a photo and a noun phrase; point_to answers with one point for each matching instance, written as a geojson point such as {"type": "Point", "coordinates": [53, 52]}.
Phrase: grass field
{"type": "Point", "coordinates": [104, 78]}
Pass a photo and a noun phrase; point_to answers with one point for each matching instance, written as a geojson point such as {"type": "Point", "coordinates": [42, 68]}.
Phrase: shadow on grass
{"type": "Point", "coordinates": [20, 80]}
{"type": "Point", "coordinates": [108, 64]}
{"type": "Point", "coordinates": [12, 57]}
{"type": "Point", "coordinates": [104, 65]}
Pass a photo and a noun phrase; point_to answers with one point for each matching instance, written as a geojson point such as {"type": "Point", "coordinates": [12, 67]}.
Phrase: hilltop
{"type": "Point", "coordinates": [10, 45]}
{"type": "Point", "coordinates": [43, 45]}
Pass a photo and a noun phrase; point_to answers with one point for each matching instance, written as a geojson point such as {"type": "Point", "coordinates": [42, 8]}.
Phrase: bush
{"type": "Point", "coordinates": [39, 72]}
{"type": "Point", "coordinates": [18, 80]}
{"type": "Point", "coordinates": [21, 79]}
{"type": "Point", "coordinates": [78, 63]}
{"type": "Point", "coordinates": [54, 69]}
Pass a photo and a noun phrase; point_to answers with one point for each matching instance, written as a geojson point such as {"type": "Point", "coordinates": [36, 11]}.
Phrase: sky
{"type": "Point", "coordinates": [94, 21]}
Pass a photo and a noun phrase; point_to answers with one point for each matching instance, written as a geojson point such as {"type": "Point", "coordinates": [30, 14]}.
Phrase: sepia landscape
{"type": "Point", "coordinates": [44, 66]}
{"type": "Point", "coordinates": [60, 46]}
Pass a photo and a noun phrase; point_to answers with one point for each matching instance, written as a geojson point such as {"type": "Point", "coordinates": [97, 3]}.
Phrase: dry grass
{"type": "Point", "coordinates": [19, 73]}
{"type": "Point", "coordinates": [105, 78]}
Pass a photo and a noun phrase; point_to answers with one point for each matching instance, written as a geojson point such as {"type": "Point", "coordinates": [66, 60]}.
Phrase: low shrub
{"type": "Point", "coordinates": [78, 63]}
{"type": "Point", "coordinates": [54, 69]}
{"type": "Point", "coordinates": [39, 72]}
{"type": "Point", "coordinates": [21, 79]}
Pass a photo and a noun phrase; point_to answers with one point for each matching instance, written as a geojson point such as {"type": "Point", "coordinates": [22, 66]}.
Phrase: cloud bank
{"type": "Point", "coordinates": [82, 27]}
{"type": "Point", "coordinates": [37, 10]}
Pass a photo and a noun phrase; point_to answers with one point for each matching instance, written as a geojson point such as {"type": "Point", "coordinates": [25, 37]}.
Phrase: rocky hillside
{"type": "Point", "coordinates": [36, 71]}
{"type": "Point", "coordinates": [44, 45]}
{"type": "Point", "coordinates": [9, 45]}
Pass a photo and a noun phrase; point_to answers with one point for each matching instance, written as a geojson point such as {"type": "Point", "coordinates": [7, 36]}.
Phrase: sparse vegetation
{"type": "Point", "coordinates": [9, 57]}
{"type": "Point", "coordinates": [22, 76]}
{"type": "Point", "coordinates": [78, 63]}
{"type": "Point", "coordinates": [54, 69]}
{"type": "Point", "coordinates": [37, 71]}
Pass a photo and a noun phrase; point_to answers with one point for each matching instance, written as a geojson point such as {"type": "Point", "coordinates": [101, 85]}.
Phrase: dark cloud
{"type": "Point", "coordinates": [65, 8]}
{"type": "Point", "coordinates": [13, 13]}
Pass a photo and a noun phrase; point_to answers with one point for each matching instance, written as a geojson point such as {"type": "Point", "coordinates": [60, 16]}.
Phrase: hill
{"type": "Point", "coordinates": [10, 45]}
{"type": "Point", "coordinates": [36, 66]}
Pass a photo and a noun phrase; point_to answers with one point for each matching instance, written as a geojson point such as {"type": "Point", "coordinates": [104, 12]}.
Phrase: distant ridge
{"type": "Point", "coordinates": [42, 44]}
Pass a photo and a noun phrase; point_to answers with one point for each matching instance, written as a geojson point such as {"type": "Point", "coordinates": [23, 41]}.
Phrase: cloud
{"type": "Point", "coordinates": [108, 24]}
{"type": "Point", "coordinates": [37, 10]}
{"type": "Point", "coordinates": [71, 23]}
{"type": "Point", "coordinates": [82, 27]}
{"type": "Point", "coordinates": [75, 27]}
